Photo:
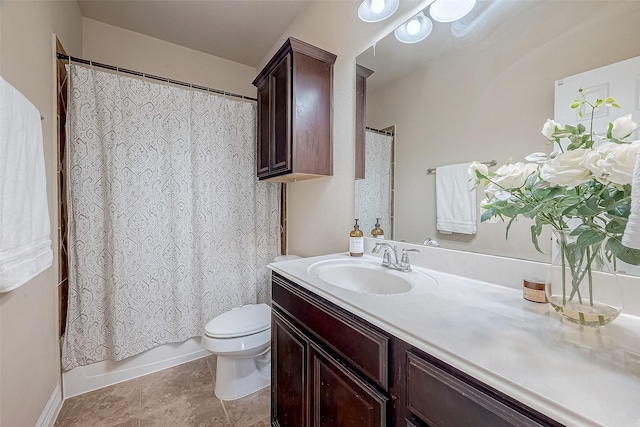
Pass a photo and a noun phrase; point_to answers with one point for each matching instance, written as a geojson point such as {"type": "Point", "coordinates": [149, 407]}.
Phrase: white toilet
{"type": "Point", "coordinates": [241, 338]}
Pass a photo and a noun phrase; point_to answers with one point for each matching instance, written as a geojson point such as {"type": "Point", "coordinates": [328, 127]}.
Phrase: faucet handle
{"type": "Point", "coordinates": [386, 258]}
{"type": "Point", "coordinates": [405, 265]}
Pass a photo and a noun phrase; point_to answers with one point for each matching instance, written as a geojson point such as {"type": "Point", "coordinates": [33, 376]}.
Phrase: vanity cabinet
{"type": "Point", "coordinates": [295, 106]}
{"type": "Point", "coordinates": [328, 369]}
{"type": "Point", "coordinates": [332, 369]}
{"type": "Point", "coordinates": [362, 74]}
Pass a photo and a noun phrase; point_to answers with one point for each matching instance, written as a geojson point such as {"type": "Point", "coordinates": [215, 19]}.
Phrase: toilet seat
{"type": "Point", "coordinates": [240, 322]}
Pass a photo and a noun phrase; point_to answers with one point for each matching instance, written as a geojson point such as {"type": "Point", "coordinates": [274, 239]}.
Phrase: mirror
{"type": "Point", "coordinates": [481, 88]}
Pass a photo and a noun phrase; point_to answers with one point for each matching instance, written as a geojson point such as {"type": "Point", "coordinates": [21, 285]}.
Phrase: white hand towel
{"type": "Point", "coordinates": [631, 236]}
{"type": "Point", "coordinates": [455, 200]}
{"type": "Point", "coordinates": [25, 243]}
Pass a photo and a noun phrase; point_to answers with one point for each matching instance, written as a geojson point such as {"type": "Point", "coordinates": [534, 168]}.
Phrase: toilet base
{"type": "Point", "coordinates": [236, 378]}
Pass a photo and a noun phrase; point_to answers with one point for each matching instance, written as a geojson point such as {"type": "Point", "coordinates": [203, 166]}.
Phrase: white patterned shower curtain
{"type": "Point", "coordinates": [168, 225]}
{"type": "Point", "coordinates": [373, 193]}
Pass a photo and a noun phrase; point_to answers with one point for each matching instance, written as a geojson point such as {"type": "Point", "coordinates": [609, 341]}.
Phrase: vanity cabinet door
{"type": "Point", "coordinates": [340, 398]}
{"type": "Point", "coordinates": [289, 362]}
{"type": "Point", "coordinates": [442, 400]}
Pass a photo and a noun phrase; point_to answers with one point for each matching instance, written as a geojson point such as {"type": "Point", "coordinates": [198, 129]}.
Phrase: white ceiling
{"type": "Point", "coordinates": [238, 30]}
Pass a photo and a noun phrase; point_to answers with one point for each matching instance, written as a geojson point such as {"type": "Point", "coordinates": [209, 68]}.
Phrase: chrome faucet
{"type": "Point", "coordinates": [431, 242]}
{"type": "Point", "coordinates": [390, 256]}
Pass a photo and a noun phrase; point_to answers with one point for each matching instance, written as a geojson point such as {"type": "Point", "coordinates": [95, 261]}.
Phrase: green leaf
{"type": "Point", "coordinates": [609, 100]}
{"type": "Point", "coordinates": [614, 227]}
{"type": "Point", "coordinates": [623, 253]}
{"type": "Point", "coordinates": [581, 128]}
{"type": "Point", "coordinates": [609, 129]}
{"type": "Point", "coordinates": [621, 210]}
{"type": "Point", "coordinates": [575, 105]}
{"type": "Point", "coordinates": [590, 237]}
{"type": "Point", "coordinates": [488, 214]}
{"type": "Point", "coordinates": [535, 232]}
{"type": "Point", "coordinates": [616, 105]}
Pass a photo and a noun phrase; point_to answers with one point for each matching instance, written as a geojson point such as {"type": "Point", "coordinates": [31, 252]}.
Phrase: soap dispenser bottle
{"type": "Point", "coordinates": [377, 232]}
{"type": "Point", "coordinates": [356, 241]}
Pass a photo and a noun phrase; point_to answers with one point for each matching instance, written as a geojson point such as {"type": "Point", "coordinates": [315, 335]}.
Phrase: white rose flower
{"type": "Point", "coordinates": [566, 169]}
{"type": "Point", "coordinates": [622, 127]}
{"type": "Point", "coordinates": [513, 175]}
{"type": "Point", "coordinates": [549, 128]}
{"type": "Point", "coordinates": [611, 162]}
{"type": "Point", "coordinates": [480, 167]}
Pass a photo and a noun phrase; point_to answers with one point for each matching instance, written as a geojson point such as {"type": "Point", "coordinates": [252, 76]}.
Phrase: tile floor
{"type": "Point", "coordinates": [181, 396]}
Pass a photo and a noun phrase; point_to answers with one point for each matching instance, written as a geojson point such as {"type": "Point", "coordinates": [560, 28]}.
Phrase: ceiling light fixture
{"type": "Point", "coordinates": [377, 10]}
{"type": "Point", "coordinates": [415, 29]}
{"type": "Point", "coordinates": [450, 10]}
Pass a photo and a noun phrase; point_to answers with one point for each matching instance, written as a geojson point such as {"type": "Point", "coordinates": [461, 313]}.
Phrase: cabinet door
{"type": "Point", "coordinates": [341, 399]}
{"type": "Point", "coordinates": [281, 116]}
{"type": "Point", "coordinates": [264, 128]}
{"type": "Point", "coordinates": [289, 355]}
{"type": "Point", "coordinates": [442, 400]}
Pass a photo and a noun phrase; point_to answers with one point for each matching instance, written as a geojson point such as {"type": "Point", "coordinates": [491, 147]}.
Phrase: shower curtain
{"type": "Point", "coordinates": [373, 193]}
{"type": "Point", "coordinates": [168, 225]}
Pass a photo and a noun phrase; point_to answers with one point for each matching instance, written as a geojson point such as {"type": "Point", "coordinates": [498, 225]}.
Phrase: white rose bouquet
{"type": "Point", "coordinates": [587, 179]}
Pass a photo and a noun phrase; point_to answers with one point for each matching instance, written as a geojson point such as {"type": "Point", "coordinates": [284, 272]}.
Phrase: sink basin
{"type": "Point", "coordinates": [368, 276]}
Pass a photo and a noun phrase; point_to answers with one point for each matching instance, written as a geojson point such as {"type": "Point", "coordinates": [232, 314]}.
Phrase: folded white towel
{"type": "Point", "coordinates": [25, 243]}
{"type": "Point", "coordinates": [631, 237]}
{"type": "Point", "coordinates": [455, 200]}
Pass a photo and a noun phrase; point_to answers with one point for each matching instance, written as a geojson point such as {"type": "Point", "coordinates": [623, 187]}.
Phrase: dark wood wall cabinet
{"type": "Point", "coordinates": [362, 74]}
{"type": "Point", "coordinates": [332, 369]}
{"type": "Point", "coordinates": [295, 109]}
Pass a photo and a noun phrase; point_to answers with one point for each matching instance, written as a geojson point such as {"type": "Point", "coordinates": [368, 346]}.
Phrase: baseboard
{"type": "Point", "coordinates": [102, 374]}
{"type": "Point", "coordinates": [51, 410]}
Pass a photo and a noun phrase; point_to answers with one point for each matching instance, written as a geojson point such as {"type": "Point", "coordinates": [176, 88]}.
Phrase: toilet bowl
{"type": "Point", "coordinates": [241, 340]}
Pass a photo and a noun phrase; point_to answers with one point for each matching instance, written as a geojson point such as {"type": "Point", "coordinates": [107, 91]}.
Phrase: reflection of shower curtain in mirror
{"type": "Point", "coordinates": [168, 225]}
{"type": "Point", "coordinates": [373, 193]}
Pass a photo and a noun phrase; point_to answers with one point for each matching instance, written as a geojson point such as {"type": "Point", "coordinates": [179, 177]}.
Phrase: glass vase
{"type": "Point", "coordinates": [582, 285]}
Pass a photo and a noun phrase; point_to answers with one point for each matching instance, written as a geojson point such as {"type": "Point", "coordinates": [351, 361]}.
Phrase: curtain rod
{"type": "Point", "coordinates": [64, 57]}
{"type": "Point", "coordinates": [383, 132]}
{"type": "Point", "coordinates": [489, 163]}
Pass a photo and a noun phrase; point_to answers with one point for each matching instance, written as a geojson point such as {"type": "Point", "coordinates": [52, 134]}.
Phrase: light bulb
{"type": "Point", "coordinates": [377, 6]}
{"type": "Point", "coordinates": [413, 27]}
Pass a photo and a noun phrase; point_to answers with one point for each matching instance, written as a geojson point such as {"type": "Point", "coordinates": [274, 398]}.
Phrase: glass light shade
{"type": "Point", "coordinates": [415, 29]}
{"type": "Point", "coordinates": [377, 10]}
{"type": "Point", "coordinates": [450, 10]}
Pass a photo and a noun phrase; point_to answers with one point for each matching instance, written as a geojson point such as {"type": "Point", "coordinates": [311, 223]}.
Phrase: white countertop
{"type": "Point", "coordinates": [577, 376]}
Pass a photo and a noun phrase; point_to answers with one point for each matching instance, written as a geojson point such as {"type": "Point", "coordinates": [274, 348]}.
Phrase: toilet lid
{"type": "Point", "coordinates": [241, 321]}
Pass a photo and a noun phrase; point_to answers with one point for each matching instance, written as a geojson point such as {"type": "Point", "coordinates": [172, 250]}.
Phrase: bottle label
{"type": "Point", "coordinates": [535, 295]}
{"type": "Point", "coordinates": [356, 245]}
{"type": "Point", "coordinates": [380, 236]}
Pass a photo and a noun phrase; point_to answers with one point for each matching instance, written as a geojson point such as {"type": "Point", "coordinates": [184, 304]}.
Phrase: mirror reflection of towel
{"type": "Point", "coordinates": [455, 200]}
{"type": "Point", "coordinates": [25, 243]}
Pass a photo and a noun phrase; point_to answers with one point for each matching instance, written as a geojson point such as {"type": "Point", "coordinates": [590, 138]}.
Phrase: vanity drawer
{"type": "Point", "coordinates": [442, 400]}
{"type": "Point", "coordinates": [361, 345]}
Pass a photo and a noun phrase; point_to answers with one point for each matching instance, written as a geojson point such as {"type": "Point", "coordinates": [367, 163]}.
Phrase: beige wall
{"type": "Point", "coordinates": [490, 103]}
{"type": "Point", "coordinates": [29, 350]}
{"type": "Point", "coordinates": [123, 48]}
{"type": "Point", "coordinates": [320, 211]}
